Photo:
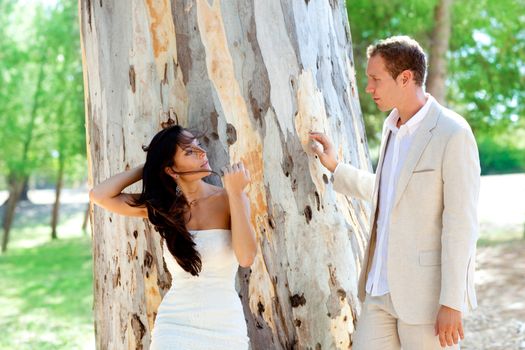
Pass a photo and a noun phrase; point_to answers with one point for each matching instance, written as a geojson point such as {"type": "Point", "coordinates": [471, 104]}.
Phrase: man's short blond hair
{"type": "Point", "coordinates": [401, 53]}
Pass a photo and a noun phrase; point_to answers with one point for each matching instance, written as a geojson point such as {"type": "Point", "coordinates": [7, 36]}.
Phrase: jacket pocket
{"type": "Point", "coordinates": [419, 171]}
{"type": "Point", "coordinates": [430, 257]}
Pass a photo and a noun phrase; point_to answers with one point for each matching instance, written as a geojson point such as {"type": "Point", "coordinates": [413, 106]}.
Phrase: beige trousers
{"type": "Point", "coordinates": [379, 328]}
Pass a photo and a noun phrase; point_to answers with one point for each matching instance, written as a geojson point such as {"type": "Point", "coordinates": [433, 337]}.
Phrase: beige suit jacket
{"type": "Point", "coordinates": [433, 226]}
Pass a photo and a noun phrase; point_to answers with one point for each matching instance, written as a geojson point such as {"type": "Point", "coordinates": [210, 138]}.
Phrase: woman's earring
{"type": "Point", "coordinates": [178, 191]}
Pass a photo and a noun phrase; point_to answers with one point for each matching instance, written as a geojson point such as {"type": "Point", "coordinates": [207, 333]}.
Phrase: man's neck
{"type": "Point", "coordinates": [411, 106]}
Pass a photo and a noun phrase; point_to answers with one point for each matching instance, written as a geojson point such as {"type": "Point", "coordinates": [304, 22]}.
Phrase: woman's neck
{"type": "Point", "coordinates": [193, 190]}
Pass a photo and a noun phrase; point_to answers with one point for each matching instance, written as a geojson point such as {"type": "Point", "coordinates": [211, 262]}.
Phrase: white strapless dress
{"type": "Point", "coordinates": [204, 312]}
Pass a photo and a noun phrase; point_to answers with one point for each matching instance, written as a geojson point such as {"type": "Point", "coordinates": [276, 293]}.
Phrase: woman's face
{"type": "Point", "coordinates": [191, 157]}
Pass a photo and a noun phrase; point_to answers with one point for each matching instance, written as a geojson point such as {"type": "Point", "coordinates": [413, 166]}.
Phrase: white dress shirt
{"type": "Point", "coordinates": [397, 148]}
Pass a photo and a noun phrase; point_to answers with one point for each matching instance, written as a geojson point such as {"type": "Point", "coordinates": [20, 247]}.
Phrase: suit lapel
{"type": "Point", "coordinates": [420, 142]}
{"type": "Point", "coordinates": [386, 136]}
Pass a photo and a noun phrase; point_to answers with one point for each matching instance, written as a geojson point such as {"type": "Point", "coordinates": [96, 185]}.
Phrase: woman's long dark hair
{"type": "Point", "coordinates": [166, 206]}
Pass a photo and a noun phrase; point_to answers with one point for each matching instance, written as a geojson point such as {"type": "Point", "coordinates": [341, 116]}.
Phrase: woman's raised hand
{"type": "Point", "coordinates": [235, 178]}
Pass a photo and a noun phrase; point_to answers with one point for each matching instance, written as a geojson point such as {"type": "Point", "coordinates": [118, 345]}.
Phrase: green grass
{"type": "Point", "coordinates": [46, 288]}
{"type": "Point", "coordinates": [500, 235]}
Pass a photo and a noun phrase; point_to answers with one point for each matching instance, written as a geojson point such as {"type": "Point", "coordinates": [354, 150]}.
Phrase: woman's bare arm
{"type": "Point", "coordinates": [108, 194]}
{"type": "Point", "coordinates": [235, 179]}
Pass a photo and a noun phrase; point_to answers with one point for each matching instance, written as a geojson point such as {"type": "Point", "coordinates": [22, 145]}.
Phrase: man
{"type": "Point", "coordinates": [417, 276]}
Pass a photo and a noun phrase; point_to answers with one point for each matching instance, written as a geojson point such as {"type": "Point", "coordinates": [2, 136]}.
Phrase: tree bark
{"type": "Point", "coordinates": [437, 72]}
{"type": "Point", "coordinates": [16, 186]}
{"type": "Point", "coordinates": [25, 190]}
{"type": "Point", "coordinates": [58, 190]}
{"type": "Point", "coordinates": [255, 76]}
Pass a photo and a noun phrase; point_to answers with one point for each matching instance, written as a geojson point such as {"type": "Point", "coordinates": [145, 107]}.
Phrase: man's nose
{"type": "Point", "coordinates": [369, 89]}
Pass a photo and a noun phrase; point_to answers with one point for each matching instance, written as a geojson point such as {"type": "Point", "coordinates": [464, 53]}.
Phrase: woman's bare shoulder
{"type": "Point", "coordinates": [220, 197]}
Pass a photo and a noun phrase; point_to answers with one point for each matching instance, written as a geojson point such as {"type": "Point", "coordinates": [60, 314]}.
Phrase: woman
{"type": "Point", "coordinates": [206, 234]}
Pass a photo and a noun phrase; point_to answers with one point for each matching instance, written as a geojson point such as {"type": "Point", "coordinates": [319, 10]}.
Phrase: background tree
{"type": "Point", "coordinates": [440, 37]}
{"type": "Point", "coordinates": [65, 142]}
{"type": "Point", "coordinates": [10, 77]}
{"type": "Point", "coordinates": [20, 124]}
{"type": "Point", "coordinates": [256, 76]}
{"type": "Point", "coordinates": [40, 100]}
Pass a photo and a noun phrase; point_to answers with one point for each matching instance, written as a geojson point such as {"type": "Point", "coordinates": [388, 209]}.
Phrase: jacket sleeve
{"type": "Point", "coordinates": [354, 182]}
{"type": "Point", "coordinates": [461, 177]}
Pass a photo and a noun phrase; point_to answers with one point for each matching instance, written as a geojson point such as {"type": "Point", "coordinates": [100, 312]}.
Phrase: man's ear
{"type": "Point", "coordinates": [406, 76]}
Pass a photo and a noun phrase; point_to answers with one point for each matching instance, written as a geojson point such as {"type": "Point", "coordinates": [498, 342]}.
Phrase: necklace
{"type": "Point", "coordinates": [194, 202]}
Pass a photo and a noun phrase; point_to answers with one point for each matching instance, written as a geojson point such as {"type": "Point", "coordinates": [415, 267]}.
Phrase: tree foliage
{"type": "Point", "coordinates": [41, 98]}
{"type": "Point", "coordinates": [486, 58]}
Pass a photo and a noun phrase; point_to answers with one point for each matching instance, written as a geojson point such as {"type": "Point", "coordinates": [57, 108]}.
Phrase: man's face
{"type": "Point", "coordinates": [384, 89]}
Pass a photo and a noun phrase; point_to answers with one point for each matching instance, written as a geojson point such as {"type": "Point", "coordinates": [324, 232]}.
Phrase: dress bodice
{"type": "Point", "coordinates": [217, 257]}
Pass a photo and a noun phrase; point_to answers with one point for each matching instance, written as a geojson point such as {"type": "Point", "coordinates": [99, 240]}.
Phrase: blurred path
{"type": "Point", "coordinates": [499, 321]}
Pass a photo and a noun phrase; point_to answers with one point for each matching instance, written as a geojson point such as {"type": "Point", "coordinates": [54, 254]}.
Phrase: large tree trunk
{"type": "Point", "coordinates": [256, 76]}
{"type": "Point", "coordinates": [437, 72]}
